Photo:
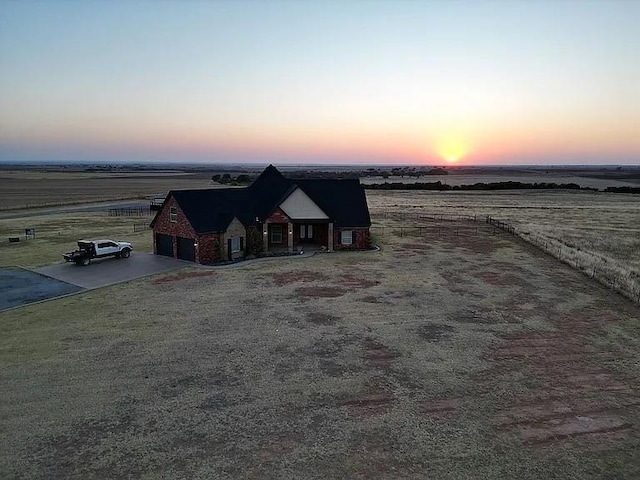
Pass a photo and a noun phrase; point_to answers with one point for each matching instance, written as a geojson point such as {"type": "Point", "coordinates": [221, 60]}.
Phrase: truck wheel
{"type": "Point", "coordinates": [86, 261]}
{"type": "Point", "coordinates": [125, 253]}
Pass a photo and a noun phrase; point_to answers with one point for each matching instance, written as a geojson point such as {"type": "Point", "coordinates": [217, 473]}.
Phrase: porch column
{"type": "Point", "coordinates": [330, 237]}
{"type": "Point", "coordinates": [265, 237]}
{"type": "Point", "coordinates": [290, 236]}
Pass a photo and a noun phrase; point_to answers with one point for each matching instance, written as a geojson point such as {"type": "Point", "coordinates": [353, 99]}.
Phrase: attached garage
{"type": "Point", "coordinates": [164, 245]}
{"type": "Point", "coordinates": [186, 249]}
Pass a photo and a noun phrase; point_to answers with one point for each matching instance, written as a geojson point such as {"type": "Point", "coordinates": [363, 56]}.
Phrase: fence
{"type": "Point", "coordinates": [130, 212]}
{"type": "Point", "coordinates": [440, 217]}
{"type": "Point", "coordinates": [607, 271]}
{"type": "Point", "coordinates": [425, 231]}
{"type": "Point", "coordinates": [141, 227]}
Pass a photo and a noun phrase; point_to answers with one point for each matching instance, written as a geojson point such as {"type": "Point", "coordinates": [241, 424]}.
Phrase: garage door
{"type": "Point", "coordinates": [186, 249]}
{"type": "Point", "coordinates": [164, 245]}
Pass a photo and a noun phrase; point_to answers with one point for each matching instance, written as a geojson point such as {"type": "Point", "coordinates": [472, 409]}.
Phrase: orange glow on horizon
{"type": "Point", "coordinates": [452, 149]}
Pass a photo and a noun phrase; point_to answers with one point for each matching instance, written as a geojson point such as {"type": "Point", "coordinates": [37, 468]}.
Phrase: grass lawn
{"type": "Point", "coordinates": [470, 356]}
{"type": "Point", "coordinates": [59, 233]}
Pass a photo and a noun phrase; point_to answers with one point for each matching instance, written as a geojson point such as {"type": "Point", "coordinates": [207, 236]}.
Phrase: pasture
{"type": "Point", "coordinates": [450, 355]}
{"type": "Point", "coordinates": [462, 356]}
{"type": "Point", "coordinates": [603, 227]}
{"type": "Point", "coordinates": [59, 232]}
{"type": "Point", "coordinates": [31, 189]}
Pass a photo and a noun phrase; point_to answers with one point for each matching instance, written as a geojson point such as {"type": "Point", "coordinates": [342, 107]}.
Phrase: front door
{"type": "Point", "coordinates": [306, 233]}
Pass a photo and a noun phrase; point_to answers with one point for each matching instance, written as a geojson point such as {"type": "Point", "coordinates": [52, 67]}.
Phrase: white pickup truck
{"type": "Point", "coordinates": [90, 249]}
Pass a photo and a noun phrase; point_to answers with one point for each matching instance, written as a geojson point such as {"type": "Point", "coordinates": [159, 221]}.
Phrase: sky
{"type": "Point", "coordinates": [352, 82]}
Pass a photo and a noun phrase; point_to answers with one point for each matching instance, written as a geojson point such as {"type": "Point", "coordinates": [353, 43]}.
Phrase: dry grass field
{"type": "Point", "coordinates": [602, 229]}
{"type": "Point", "coordinates": [467, 355]}
{"type": "Point", "coordinates": [29, 189]}
{"type": "Point", "coordinates": [58, 233]}
{"type": "Point", "coordinates": [457, 357]}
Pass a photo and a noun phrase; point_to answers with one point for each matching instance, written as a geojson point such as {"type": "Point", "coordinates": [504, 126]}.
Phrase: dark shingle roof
{"type": "Point", "coordinates": [212, 210]}
{"type": "Point", "coordinates": [267, 190]}
{"type": "Point", "coordinates": [343, 200]}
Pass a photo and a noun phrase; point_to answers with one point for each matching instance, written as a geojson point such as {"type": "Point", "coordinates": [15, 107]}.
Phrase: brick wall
{"type": "Point", "coordinates": [359, 237]}
{"type": "Point", "coordinates": [278, 216]}
{"type": "Point", "coordinates": [208, 250]}
{"type": "Point", "coordinates": [179, 228]}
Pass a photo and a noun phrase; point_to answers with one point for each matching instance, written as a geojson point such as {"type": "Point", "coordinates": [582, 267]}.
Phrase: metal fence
{"type": "Point", "coordinates": [141, 227]}
{"type": "Point", "coordinates": [130, 212]}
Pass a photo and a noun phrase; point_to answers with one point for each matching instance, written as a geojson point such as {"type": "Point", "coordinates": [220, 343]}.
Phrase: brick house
{"type": "Point", "coordinates": [273, 214]}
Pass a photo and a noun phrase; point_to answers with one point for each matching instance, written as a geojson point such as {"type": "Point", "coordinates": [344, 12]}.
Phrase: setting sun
{"type": "Point", "coordinates": [452, 150]}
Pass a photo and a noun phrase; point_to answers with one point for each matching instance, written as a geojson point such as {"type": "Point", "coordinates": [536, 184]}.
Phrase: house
{"type": "Point", "coordinates": [274, 214]}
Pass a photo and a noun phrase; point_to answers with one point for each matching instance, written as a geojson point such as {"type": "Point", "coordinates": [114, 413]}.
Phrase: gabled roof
{"type": "Point", "coordinates": [268, 190]}
{"type": "Point", "coordinates": [343, 200]}
{"type": "Point", "coordinates": [212, 210]}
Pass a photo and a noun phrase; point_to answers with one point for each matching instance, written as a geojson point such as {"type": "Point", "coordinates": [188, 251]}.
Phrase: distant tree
{"type": "Point", "coordinates": [243, 179]}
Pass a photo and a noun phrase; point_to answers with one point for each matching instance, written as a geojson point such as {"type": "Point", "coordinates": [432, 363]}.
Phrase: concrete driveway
{"type": "Point", "coordinates": [108, 271]}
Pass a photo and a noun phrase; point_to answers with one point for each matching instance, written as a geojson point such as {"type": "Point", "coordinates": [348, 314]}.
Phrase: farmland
{"type": "Point", "coordinates": [30, 189]}
{"type": "Point", "coordinates": [463, 352]}
{"type": "Point", "coordinates": [455, 357]}
{"type": "Point", "coordinates": [604, 227]}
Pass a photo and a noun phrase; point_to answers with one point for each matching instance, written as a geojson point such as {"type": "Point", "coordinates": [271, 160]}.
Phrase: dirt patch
{"type": "Point", "coordinates": [379, 354]}
{"type": "Point", "coordinates": [321, 292]}
{"type": "Point", "coordinates": [482, 243]}
{"type": "Point", "coordinates": [558, 429]}
{"type": "Point", "coordinates": [574, 394]}
{"type": "Point", "coordinates": [369, 404]}
{"type": "Point", "coordinates": [371, 299]}
{"type": "Point", "coordinates": [318, 318]}
{"type": "Point", "coordinates": [501, 278]}
{"type": "Point", "coordinates": [441, 408]}
{"type": "Point", "coordinates": [176, 277]}
{"type": "Point", "coordinates": [354, 282]}
{"type": "Point", "coordinates": [277, 446]}
{"type": "Point", "coordinates": [371, 459]}
{"type": "Point", "coordinates": [487, 317]}
{"type": "Point", "coordinates": [435, 333]}
{"type": "Point", "coordinates": [287, 278]}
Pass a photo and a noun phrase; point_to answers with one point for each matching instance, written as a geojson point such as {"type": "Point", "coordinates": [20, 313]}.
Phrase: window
{"type": "Point", "coordinates": [309, 231]}
{"type": "Point", "coordinates": [347, 237]}
{"type": "Point", "coordinates": [276, 233]}
{"type": "Point", "coordinates": [173, 214]}
{"type": "Point", "coordinates": [235, 244]}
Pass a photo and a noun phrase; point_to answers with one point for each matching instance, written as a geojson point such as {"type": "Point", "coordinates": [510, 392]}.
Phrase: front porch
{"type": "Point", "coordinates": [294, 236]}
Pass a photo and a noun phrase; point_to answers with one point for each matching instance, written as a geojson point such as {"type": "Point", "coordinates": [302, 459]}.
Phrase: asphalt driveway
{"type": "Point", "coordinates": [110, 270]}
{"type": "Point", "coordinates": [20, 287]}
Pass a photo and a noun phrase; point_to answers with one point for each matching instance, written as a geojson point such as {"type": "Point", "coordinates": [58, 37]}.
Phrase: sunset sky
{"type": "Point", "coordinates": [407, 82]}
